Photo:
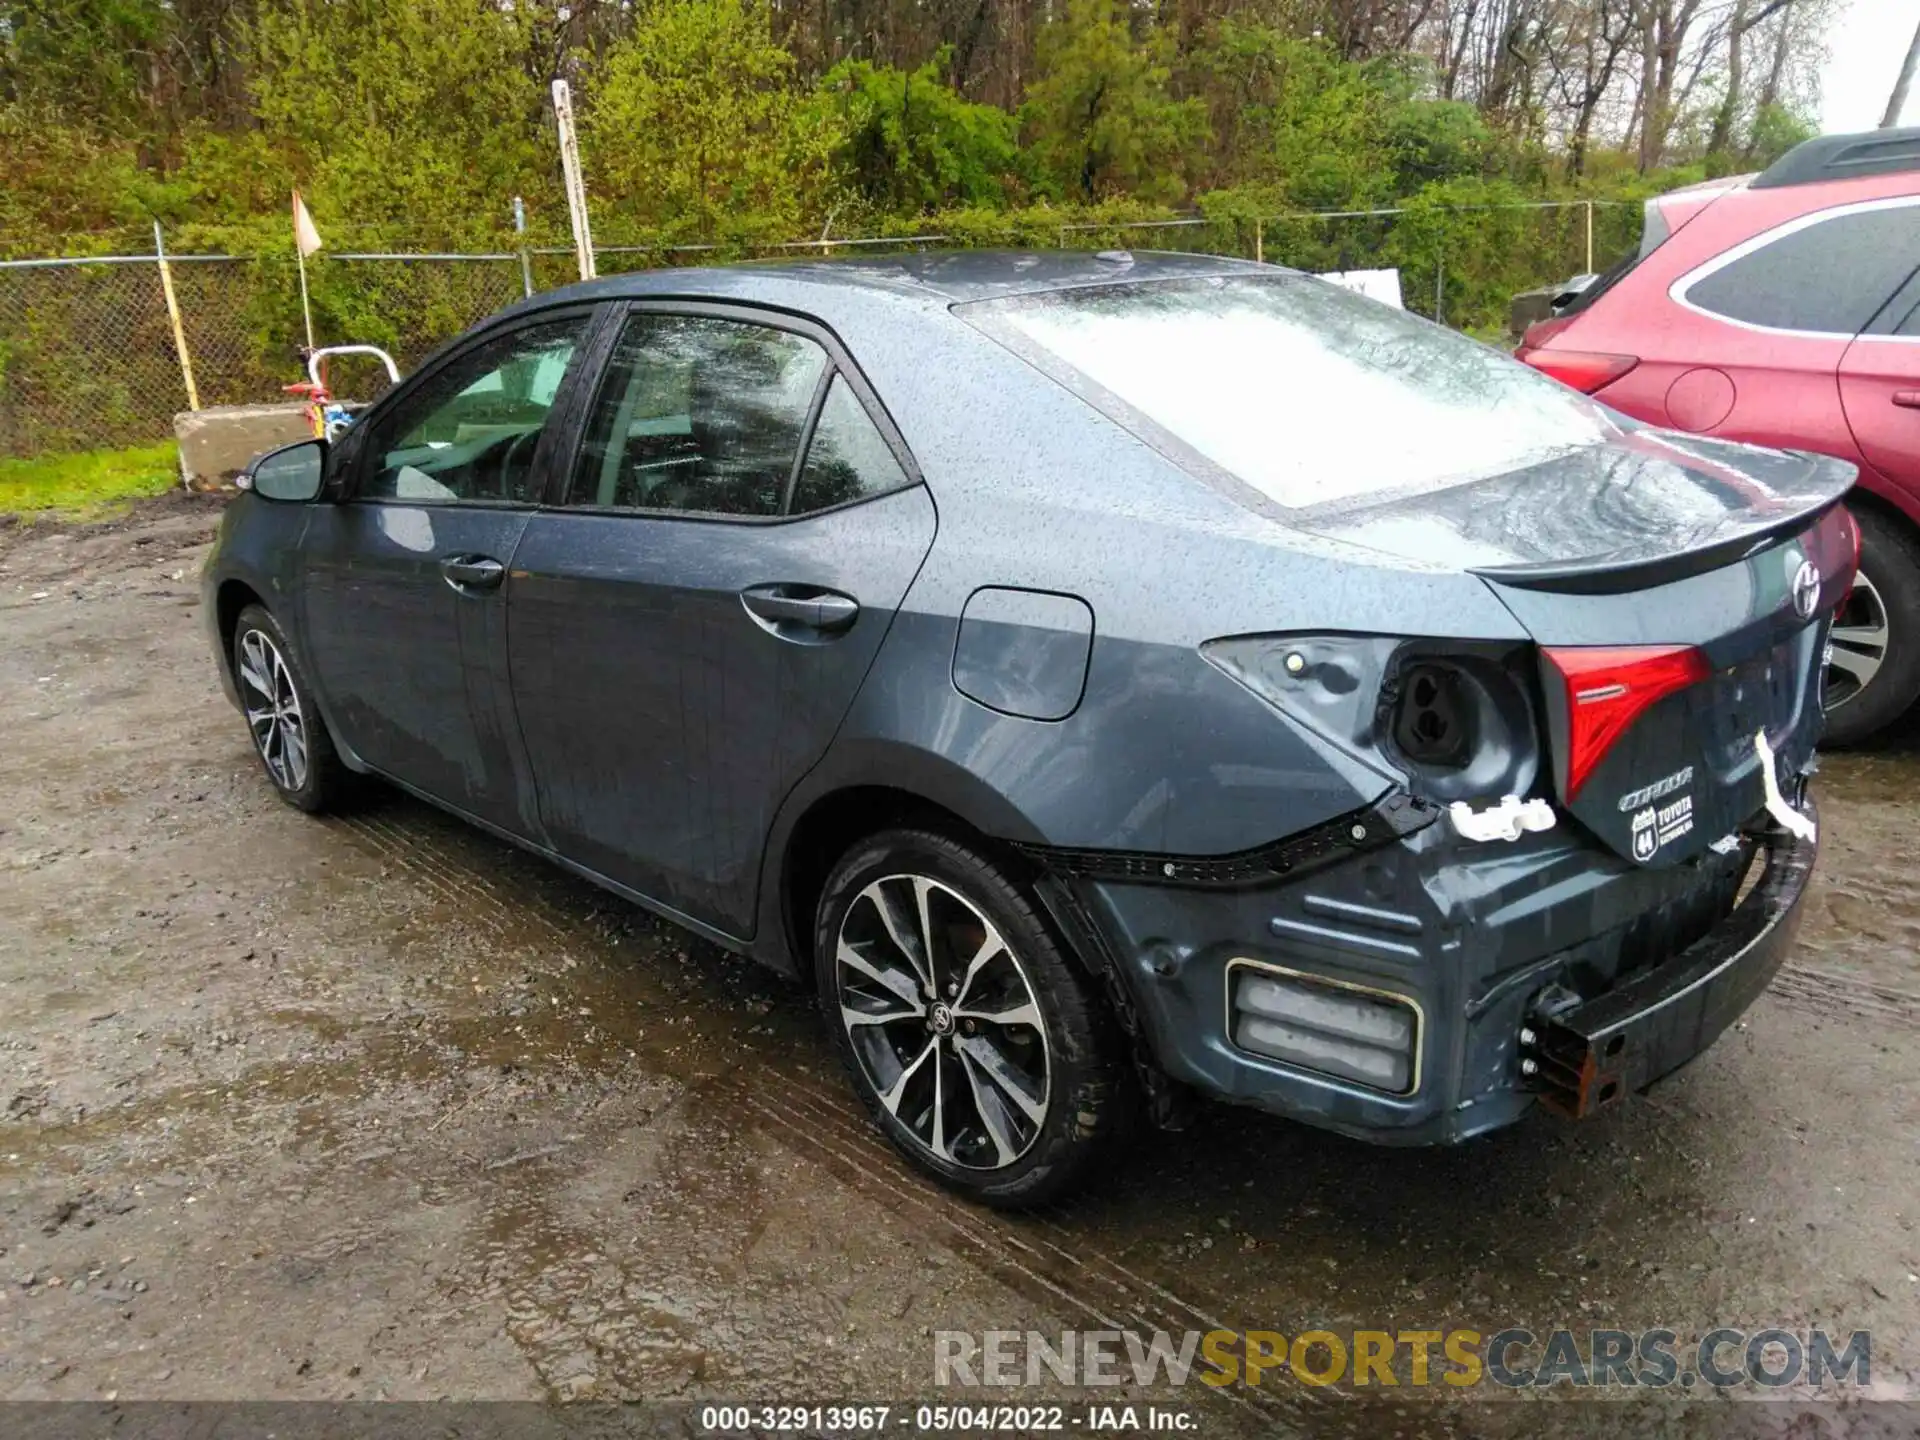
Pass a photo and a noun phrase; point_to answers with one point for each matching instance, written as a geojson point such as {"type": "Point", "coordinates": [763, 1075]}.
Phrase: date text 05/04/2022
{"type": "Point", "coordinates": [942, 1419]}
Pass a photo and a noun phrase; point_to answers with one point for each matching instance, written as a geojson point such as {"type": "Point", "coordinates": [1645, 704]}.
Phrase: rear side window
{"type": "Point", "coordinates": [1826, 273]}
{"type": "Point", "coordinates": [848, 458]}
{"type": "Point", "coordinates": [1306, 392]}
{"type": "Point", "coordinates": [699, 414]}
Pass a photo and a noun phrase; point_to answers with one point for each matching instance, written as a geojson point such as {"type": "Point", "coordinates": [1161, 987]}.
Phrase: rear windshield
{"type": "Point", "coordinates": [1308, 393]}
{"type": "Point", "coordinates": [1653, 234]}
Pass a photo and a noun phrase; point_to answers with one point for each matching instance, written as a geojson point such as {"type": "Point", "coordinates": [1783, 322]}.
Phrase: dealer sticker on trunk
{"type": "Point", "coordinates": [1661, 825]}
{"type": "Point", "coordinates": [1659, 820]}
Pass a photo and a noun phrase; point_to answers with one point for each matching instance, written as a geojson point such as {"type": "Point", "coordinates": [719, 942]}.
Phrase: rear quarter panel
{"type": "Point", "coordinates": [1037, 490]}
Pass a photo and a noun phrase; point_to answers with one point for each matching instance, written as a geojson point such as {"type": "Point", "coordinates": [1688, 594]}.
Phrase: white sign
{"type": "Point", "coordinates": [1381, 285]}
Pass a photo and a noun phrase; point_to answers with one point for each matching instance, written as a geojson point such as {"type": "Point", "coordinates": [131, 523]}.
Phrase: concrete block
{"type": "Point", "coordinates": [1529, 306]}
{"type": "Point", "coordinates": [217, 443]}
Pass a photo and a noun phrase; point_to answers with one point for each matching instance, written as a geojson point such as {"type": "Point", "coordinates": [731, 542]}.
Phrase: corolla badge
{"type": "Point", "coordinates": [1805, 588]}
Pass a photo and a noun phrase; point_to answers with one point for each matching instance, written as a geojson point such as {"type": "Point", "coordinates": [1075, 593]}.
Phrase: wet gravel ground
{"type": "Point", "coordinates": [375, 1107]}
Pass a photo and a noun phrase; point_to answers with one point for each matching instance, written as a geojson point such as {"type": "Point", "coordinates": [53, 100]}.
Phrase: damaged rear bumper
{"type": "Point", "coordinates": [1543, 969]}
{"type": "Point", "coordinates": [1591, 1053]}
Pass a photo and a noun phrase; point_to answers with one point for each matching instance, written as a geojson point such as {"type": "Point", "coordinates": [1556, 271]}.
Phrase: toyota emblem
{"type": "Point", "coordinates": [1806, 589]}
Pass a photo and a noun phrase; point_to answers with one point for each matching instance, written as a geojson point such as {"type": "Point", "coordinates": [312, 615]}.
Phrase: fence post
{"type": "Point", "coordinates": [520, 232]}
{"type": "Point", "coordinates": [1259, 240]}
{"type": "Point", "coordinates": [173, 316]}
{"type": "Point", "coordinates": [1589, 269]}
{"type": "Point", "coordinates": [1439, 287]}
{"type": "Point", "coordinates": [576, 185]}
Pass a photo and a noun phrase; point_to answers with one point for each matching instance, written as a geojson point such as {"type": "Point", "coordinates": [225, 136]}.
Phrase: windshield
{"type": "Point", "coordinates": [1306, 392]}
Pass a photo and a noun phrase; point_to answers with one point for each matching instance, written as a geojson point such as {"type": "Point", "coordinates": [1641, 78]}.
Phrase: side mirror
{"type": "Point", "coordinates": [293, 472]}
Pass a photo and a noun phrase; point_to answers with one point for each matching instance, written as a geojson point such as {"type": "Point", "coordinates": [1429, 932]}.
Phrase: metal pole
{"type": "Point", "coordinates": [576, 185]}
{"type": "Point", "coordinates": [306, 309]}
{"type": "Point", "coordinates": [173, 315]}
{"type": "Point", "coordinates": [1259, 241]}
{"type": "Point", "coordinates": [520, 229]}
{"type": "Point", "coordinates": [1589, 269]}
{"type": "Point", "coordinates": [1897, 101]}
{"type": "Point", "coordinates": [1439, 289]}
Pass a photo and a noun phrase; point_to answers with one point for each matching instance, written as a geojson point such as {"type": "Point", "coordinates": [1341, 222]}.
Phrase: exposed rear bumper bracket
{"type": "Point", "coordinates": [1387, 821]}
{"type": "Point", "coordinates": [1590, 1054]}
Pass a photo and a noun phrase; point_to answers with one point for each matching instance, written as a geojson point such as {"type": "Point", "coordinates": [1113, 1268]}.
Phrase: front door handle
{"type": "Point", "coordinates": [1907, 399]}
{"type": "Point", "coordinates": [473, 572]}
{"type": "Point", "coordinates": [805, 607]}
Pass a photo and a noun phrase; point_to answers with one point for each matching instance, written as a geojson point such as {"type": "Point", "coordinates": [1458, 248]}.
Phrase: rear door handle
{"type": "Point", "coordinates": [473, 572]}
{"type": "Point", "coordinates": [804, 606]}
{"type": "Point", "coordinates": [1907, 399]}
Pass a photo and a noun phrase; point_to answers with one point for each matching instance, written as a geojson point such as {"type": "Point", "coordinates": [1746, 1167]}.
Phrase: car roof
{"type": "Point", "coordinates": [936, 277]}
{"type": "Point", "coordinates": [1815, 175]}
{"type": "Point", "coordinates": [1845, 157]}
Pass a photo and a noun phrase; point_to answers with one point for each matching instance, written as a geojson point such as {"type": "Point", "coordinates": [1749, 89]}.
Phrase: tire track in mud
{"type": "Point", "coordinates": [1030, 1255]}
{"type": "Point", "coordinates": [1037, 1255]}
{"type": "Point", "coordinates": [1826, 992]}
{"type": "Point", "coordinates": [417, 852]}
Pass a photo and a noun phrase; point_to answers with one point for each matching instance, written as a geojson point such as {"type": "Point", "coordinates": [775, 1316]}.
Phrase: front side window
{"type": "Point", "coordinates": [699, 414]}
{"type": "Point", "coordinates": [470, 432]}
{"type": "Point", "coordinates": [1299, 389]}
{"type": "Point", "coordinates": [1825, 274]}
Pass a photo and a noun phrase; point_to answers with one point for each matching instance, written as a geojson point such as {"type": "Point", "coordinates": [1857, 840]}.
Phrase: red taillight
{"type": "Point", "coordinates": [1607, 689]}
{"type": "Point", "coordinates": [1585, 370]}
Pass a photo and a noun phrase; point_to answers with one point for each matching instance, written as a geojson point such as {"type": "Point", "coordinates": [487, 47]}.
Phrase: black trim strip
{"type": "Point", "coordinates": [1371, 827]}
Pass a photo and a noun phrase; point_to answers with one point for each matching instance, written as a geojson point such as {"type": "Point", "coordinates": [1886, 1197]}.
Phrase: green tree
{"type": "Point", "coordinates": [83, 58]}
{"type": "Point", "coordinates": [1289, 113]}
{"type": "Point", "coordinates": [412, 113]}
{"type": "Point", "coordinates": [913, 143]}
{"type": "Point", "coordinates": [1100, 116]}
{"type": "Point", "coordinates": [1776, 130]}
{"type": "Point", "coordinates": [696, 128]}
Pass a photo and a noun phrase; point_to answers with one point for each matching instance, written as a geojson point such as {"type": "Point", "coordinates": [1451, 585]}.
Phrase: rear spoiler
{"type": "Point", "coordinates": [1610, 575]}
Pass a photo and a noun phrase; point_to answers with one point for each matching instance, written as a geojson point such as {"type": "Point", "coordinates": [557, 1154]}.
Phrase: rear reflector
{"type": "Point", "coordinates": [1585, 370]}
{"type": "Point", "coordinates": [1607, 688]}
{"type": "Point", "coordinates": [1354, 1034]}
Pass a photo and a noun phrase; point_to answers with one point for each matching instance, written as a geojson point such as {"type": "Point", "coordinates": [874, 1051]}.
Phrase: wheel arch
{"type": "Point", "coordinates": [1880, 505]}
{"type": "Point", "coordinates": [845, 800]}
{"type": "Point", "coordinates": [233, 596]}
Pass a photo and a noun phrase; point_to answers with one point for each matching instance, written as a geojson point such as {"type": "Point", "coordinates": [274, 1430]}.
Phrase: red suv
{"type": "Point", "coordinates": [1784, 309]}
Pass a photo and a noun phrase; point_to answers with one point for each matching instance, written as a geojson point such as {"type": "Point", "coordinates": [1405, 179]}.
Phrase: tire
{"type": "Point", "coordinates": [289, 735]}
{"type": "Point", "coordinates": [1879, 621]}
{"type": "Point", "coordinates": [992, 1143]}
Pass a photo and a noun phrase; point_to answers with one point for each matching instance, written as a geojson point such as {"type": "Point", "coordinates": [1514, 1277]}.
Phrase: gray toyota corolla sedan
{"type": "Point", "coordinates": [1108, 677]}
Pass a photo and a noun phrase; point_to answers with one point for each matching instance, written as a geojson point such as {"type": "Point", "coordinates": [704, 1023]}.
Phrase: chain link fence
{"type": "Point", "coordinates": [88, 358]}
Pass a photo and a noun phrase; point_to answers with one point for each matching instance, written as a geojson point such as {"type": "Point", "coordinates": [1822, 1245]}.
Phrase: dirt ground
{"type": "Point", "coordinates": [376, 1107]}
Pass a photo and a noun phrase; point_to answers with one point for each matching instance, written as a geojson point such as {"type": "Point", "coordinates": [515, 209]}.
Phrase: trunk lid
{"type": "Point", "coordinates": [1701, 572]}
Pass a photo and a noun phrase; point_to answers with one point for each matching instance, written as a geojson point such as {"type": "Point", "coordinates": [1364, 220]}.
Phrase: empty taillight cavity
{"type": "Point", "coordinates": [1461, 724]}
{"type": "Point", "coordinates": [1607, 688]}
{"type": "Point", "coordinates": [1435, 723]}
